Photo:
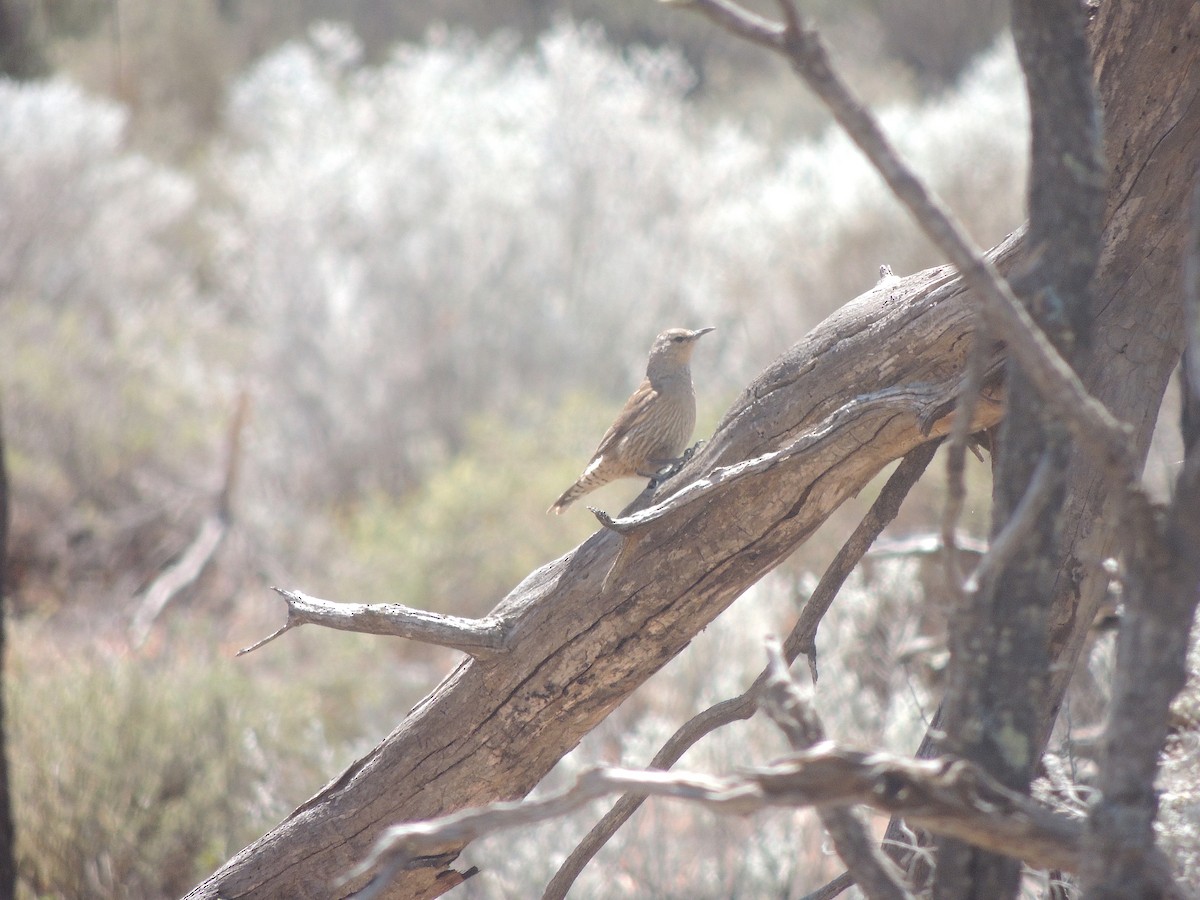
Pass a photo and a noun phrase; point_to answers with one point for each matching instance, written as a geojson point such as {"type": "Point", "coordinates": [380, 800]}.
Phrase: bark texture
{"type": "Point", "coordinates": [853, 395]}
{"type": "Point", "coordinates": [1147, 62]}
{"type": "Point", "coordinates": [1162, 590]}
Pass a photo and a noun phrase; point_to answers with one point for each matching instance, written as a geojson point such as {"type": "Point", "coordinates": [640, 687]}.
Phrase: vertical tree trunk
{"type": "Point", "coordinates": [20, 57]}
{"type": "Point", "coordinates": [20, 53]}
{"type": "Point", "coordinates": [998, 676]}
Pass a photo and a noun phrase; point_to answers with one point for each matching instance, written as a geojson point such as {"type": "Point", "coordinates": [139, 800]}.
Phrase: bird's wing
{"type": "Point", "coordinates": [635, 411]}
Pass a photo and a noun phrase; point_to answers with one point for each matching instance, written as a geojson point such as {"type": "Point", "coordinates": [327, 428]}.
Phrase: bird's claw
{"type": "Point", "coordinates": [670, 467]}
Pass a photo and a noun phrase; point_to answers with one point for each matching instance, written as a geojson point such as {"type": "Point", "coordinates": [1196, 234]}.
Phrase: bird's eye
{"type": "Point", "coordinates": [678, 339]}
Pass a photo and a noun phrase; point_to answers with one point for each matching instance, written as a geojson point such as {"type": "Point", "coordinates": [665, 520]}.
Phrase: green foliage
{"type": "Point", "coordinates": [135, 779]}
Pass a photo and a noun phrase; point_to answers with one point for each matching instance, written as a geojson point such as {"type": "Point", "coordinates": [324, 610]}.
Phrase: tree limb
{"type": "Point", "coordinates": [209, 536]}
{"type": "Point", "coordinates": [585, 630]}
{"type": "Point", "coordinates": [481, 638]}
{"type": "Point", "coordinates": [178, 576]}
{"type": "Point", "coordinates": [946, 796]}
{"type": "Point", "coordinates": [495, 726]}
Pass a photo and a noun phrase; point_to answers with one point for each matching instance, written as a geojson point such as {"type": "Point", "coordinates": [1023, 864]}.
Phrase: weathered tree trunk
{"type": "Point", "coordinates": [587, 629]}
{"type": "Point", "coordinates": [1147, 60]}
{"type": "Point", "coordinates": [584, 631]}
{"type": "Point", "coordinates": [998, 670]}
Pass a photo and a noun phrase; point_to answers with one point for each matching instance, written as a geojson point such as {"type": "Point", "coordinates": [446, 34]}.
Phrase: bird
{"type": "Point", "coordinates": [655, 424]}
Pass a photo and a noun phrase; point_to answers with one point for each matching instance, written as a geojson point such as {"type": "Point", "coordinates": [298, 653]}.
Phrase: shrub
{"type": "Point", "coordinates": [135, 778]}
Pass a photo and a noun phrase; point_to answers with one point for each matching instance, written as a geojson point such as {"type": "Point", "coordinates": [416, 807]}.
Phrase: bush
{"type": "Point", "coordinates": [135, 779]}
{"type": "Point", "coordinates": [109, 386]}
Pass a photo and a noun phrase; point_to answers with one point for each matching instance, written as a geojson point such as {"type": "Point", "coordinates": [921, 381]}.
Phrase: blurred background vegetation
{"type": "Point", "coordinates": [429, 243]}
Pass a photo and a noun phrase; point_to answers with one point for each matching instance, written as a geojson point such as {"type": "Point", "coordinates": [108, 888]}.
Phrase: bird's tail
{"type": "Point", "coordinates": [569, 496]}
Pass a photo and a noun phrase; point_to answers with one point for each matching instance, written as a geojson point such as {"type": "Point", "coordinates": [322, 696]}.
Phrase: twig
{"type": "Point", "coordinates": [177, 577]}
{"type": "Point", "coordinates": [738, 21]}
{"type": "Point", "coordinates": [800, 640]}
{"type": "Point", "coordinates": [204, 545]}
{"type": "Point", "coordinates": [828, 891]}
{"type": "Point", "coordinates": [947, 796]}
{"type": "Point", "coordinates": [1056, 383]}
{"type": "Point", "coordinates": [480, 638]}
{"type": "Point", "coordinates": [956, 452]}
{"type": "Point", "coordinates": [872, 871]}
{"type": "Point", "coordinates": [1006, 543]}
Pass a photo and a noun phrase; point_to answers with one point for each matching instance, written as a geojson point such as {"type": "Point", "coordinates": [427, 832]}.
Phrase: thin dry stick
{"type": "Point", "coordinates": [800, 640]}
{"type": "Point", "coordinates": [1098, 431]}
{"type": "Point", "coordinates": [956, 453]}
{"type": "Point", "coordinates": [842, 883]}
{"type": "Point", "coordinates": [1005, 544]}
{"type": "Point", "coordinates": [191, 564]}
{"type": "Point", "coordinates": [876, 875]}
{"type": "Point", "coordinates": [803, 637]}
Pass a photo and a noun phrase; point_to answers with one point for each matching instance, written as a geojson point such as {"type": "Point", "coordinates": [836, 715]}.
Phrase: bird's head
{"type": "Point", "coordinates": [673, 348]}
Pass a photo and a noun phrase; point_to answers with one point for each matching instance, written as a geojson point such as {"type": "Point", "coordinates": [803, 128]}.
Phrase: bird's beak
{"type": "Point", "coordinates": [700, 332]}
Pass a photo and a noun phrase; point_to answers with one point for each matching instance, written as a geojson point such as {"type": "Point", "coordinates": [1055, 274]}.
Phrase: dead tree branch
{"type": "Point", "coordinates": [584, 639]}
{"type": "Point", "coordinates": [584, 631]}
{"type": "Point", "coordinates": [178, 576]}
{"type": "Point", "coordinates": [203, 547]}
{"type": "Point", "coordinates": [946, 796]}
{"type": "Point", "coordinates": [481, 638]}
